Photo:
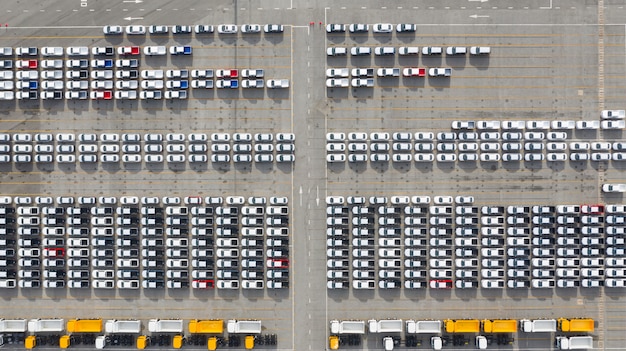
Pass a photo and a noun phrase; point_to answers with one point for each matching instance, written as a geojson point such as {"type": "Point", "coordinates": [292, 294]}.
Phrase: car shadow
{"type": "Point", "coordinates": [480, 62]}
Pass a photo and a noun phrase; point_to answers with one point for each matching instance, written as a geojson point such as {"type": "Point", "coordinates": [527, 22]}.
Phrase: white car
{"type": "Point", "coordinates": [613, 114]}
{"type": "Point", "coordinates": [227, 29]}
{"type": "Point", "coordinates": [406, 27]}
{"type": "Point", "coordinates": [250, 28]}
{"type": "Point", "coordinates": [335, 28]}
{"type": "Point", "coordinates": [273, 28]}
{"type": "Point", "coordinates": [154, 50]}
{"type": "Point", "coordinates": [382, 28]}
{"type": "Point", "coordinates": [134, 30]}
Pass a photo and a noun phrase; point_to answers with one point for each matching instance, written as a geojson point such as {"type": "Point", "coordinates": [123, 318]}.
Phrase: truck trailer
{"type": "Point", "coordinates": [538, 325]}
{"type": "Point", "coordinates": [165, 326]}
{"type": "Point", "coordinates": [423, 327]}
{"type": "Point", "coordinates": [46, 325]}
{"type": "Point", "coordinates": [574, 342]}
{"type": "Point", "coordinates": [84, 326]}
{"type": "Point", "coordinates": [243, 327]}
{"type": "Point", "coordinates": [385, 326]}
{"type": "Point", "coordinates": [347, 327]}
{"type": "Point", "coordinates": [114, 326]}
{"type": "Point", "coordinates": [499, 325]}
{"type": "Point", "coordinates": [576, 324]}
{"type": "Point", "coordinates": [462, 325]}
{"type": "Point", "coordinates": [12, 325]}
{"type": "Point", "coordinates": [207, 326]}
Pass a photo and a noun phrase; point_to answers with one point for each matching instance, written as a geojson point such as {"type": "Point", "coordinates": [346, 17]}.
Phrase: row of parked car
{"type": "Point", "coordinates": [406, 50]}
{"type": "Point", "coordinates": [176, 149]}
{"type": "Point", "coordinates": [186, 30]}
{"type": "Point", "coordinates": [161, 258]}
{"type": "Point", "coordinates": [525, 254]}
{"type": "Point", "coordinates": [486, 146]}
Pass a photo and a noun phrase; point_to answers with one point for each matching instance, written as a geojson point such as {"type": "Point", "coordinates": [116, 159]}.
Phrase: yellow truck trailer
{"type": "Point", "coordinates": [462, 325]}
{"type": "Point", "coordinates": [576, 324]}
{"type": "Point", "coordinates": [207, 326]}
{"type": "Point", "coordinates": [499, 325]}
{"type": "Point", "coordinates": [84, 326]}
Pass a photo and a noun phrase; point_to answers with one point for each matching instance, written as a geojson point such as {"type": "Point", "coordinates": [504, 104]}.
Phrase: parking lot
{"type": "Point", "coordinates": [455, 244]}
{"type": "Point", "coordinates": [539, 238]}
{"type": "Point", "coordinates": [163, 243]}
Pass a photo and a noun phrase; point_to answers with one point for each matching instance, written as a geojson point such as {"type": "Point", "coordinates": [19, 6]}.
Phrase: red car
{"type": "Point", "coordinates": [54, 252]}
{"type": "Point", "coordinates": [277, 263]}
{"type": "Point", "coordinates": [414, 72]}
{"type": "Point", "coordinates": [30, 64]}
{"type": "Point", "coordinates": [592, 209]}
{"type": "Point", "coordinates": [227, 73]}
{"type": "Point", "coordinates": [102, 95]}
{"type": "Point", "coordinates": [441, 284]}
{"type": "Point", "coordinates": [128, 50]}
{"type": "Point", "coordinates": [203, 284]}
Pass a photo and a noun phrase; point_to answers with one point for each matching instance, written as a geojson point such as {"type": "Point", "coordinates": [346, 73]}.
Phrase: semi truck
{"type": "Point", "coordinates": [481, 342]}
{"type": "Point", "coordinates": [243, 327]}
{"type": "Point", "coordinates": [388, 343]}
{"type": "Point", "coordinates": [142, 342]}
{"type": "Point", "coordinates": [462, 325]}
{"type": "Point", "coordinates": [84, 326]}
{"type": "Point", "coordinates": [30, 342]}
{"type": "Point", "coordinates": [12, 325]}
{"type": "Point", "coordinates": [423, 327]}
{"type": "Point", "coordinates": [347, 327]}
{"type": "Point", "coordinates": [538, 325]}
{"type": "Point", "coordinates": [207, 326]}
{"type": "Point", "coordinates": [101, 342]}
{"type": "Point", "coordinates": [574, 342]}
{"type": "Point", "coordinates": [248, 342]}
{"type": "Point", "coordinates": [333, 342]}
{"type": "Point", "coordinates": [499, 325]}
{"type": "Point", "coordinates": [436, 343]}
{"type": "Point", "coordinates": [165, 326]}
{"type": "Point", "coordinates": [46, 325]}
{"type": "Point", "coordinates": [576, 324]}
{"type": "Point", "coordinates": [114, 326]}
{"type": "Point", "coordinates": [385, 326]}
